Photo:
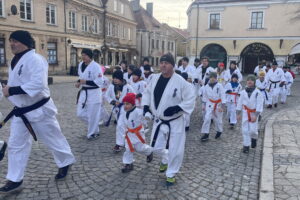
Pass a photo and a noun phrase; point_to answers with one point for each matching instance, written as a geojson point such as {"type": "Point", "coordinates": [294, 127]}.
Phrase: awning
{"type": "Point", "coordinates": [85, 44]}
{"type": "Point", "coordinates": [295, 50]}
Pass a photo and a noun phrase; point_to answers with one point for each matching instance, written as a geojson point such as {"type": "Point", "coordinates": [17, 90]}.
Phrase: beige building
{"type": "Point", "coordinates": [153, 39]}
{"type": "Point", "coordinates": [245, 31]}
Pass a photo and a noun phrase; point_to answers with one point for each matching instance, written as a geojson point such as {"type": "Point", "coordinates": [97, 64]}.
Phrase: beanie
{"type": "Point", "coordinates": [185, 75]}
{"type": "Point", "coordinates": [88, 52]}
{"type": "Point", "coordinates": [147, 67]}
{"type": "Point", "coordinates": [213, 75]}
{"type": "Point", "coordinates": [118, 74]}
{"type": "Point", "coordinates": [234, 76]}
{"type": "Point", "coordinates": [251, 78]}
{"type": "Point", "coordinates": [168, 58]}
{"type": "Point", "coordinates": [24, 37]}
{"type": "Point", "coordinates": [129, 98]}
{"type": "Point", "coordinates": [137, 72]}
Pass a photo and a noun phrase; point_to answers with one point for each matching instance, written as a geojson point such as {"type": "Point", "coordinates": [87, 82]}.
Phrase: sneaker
{"type": "Point", "coordinates": [150, 158]}
{"type": "Point", "coordinates": [170, 181]}
{"type": "Point", "coordinates": [218, 135]}
{"type": "Point", "coordinates": [275, 105]}
{"type": "Point", "coordinates": [205, 137]}
{"type": "Point", "coordinates": [253, 142]}
{"type": "Point", "coordinates": [3, 149]}
{"type": "Point", "coordinates": [163, 167]}
{"type": "Point", "coordinates": [245, 149]}
{"type": "Point", "coordinates": [187, 128]}
{"type": "Point", "coordinates": [117, 149]}
{"type": "Point", "coordinates": [115, 122]}
{"type": "Point", "coordinates": [127, 168]}
{"type": "Point", "coordinates": [259, 118]}
{"type": "Point", "coordinates": [10, 187]}
{"type": "Point", "coordinates": [94, 136]}
{"type": "Point", "coordinates": [62, 173]}
{"type": "Point", "coordinates": [269, 106]}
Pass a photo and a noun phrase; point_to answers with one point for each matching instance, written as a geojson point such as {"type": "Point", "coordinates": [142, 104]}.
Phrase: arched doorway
{"type": "Point", "coordinates": [216, 53]}
{"type": "Point", "coordinates": [252, 54]}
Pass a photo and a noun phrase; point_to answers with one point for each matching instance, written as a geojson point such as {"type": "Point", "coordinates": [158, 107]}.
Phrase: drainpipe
{"type": "Point", "coordinates": [197, 34]}
{"type": "Point", "coordinates": [66, 48]}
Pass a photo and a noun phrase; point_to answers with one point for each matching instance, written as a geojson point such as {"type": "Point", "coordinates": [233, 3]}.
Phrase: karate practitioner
{"type": "Point", "coordinates": [275, 78]}
{"type": "Point", "coordinates": [186, 67]}
{"type": "Point", "coordinates": [187, 117]}
{"type": "Point", "coordinates": [148, 74]}
{"type": "Point", "coordinates": [114, 95]}
{"type": "Point", "coordinates": [34, 112]}
{"type": "Point", "coordinates": [233, 69]}
{"type": "Point", "coordinates": [132, 122]}
{"type": "Point", "coordinates": [263, 86]}
{"type": "Point", "coordinates": [285, 89]}
{"type": "Point", "coordinates": [232, 91]}
{"type": "Point", "coordinates": [215, 99]}
{"type": "Point", "coordinates": [138, 86]}
{"type": "Point", "coordinates": [168, 97]}
{"type": "Point", "coordinates": [3, 144]}
{"type": "Point", "coordinates": [104, 116]}
{"type": "Point", "coordinates": [221, 72]}
{"type": "Point", "coordinates": [196, 76]}
{"type": "Point", "coordinates": [259, 68]}
{"type": "Point", "coordinates": [251, 105]}
{"type": "Point", "coordinates": [124, 68]}
{"type": "Point", "coordinates": [90, 94]}
{"type": "Point", "coordinates": [145, 62]}
{"type": "Point", "coordinates": [206, 70]}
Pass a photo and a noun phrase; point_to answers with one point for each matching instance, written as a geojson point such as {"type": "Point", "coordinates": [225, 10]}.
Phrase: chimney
{"type": "Point", "coordinates": [135, 4]}
{"type": "Point", "coordinates": [150, 9]}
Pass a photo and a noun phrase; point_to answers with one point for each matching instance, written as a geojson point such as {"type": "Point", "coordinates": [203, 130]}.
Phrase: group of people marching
{"type": "Point", "coordinates": [138, 97]}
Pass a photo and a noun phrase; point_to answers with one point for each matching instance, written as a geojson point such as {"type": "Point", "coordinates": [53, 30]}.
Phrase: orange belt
{"type": "Point", "coordinates": [249, 111]}
{"type": "Point", "coordinates": [104, 89]}
{"type": "Point", "coordinates": [234, 93]}
{"type": "Point", "coordinates": [216, 103]}
{"type": "Point", "coordinates": [136, 131]}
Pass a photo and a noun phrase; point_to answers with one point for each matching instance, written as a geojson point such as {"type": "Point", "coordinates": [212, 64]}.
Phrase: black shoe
{"type": "Point", "coordinates": [245, 149]}
{"type": "Point", "coordinates": [117, 148]}
{"type": "Point", "coordinates": [269, 106]}
{"type": "Point", "coordinates": [11, 187]}
{"type": "Point", "coordinates": [115, 122]}
{"type": "Point", "coordinates": [259, 118]}
{"type": "Point", "coordinates": [187, 128]}
{"type": "Point", "coordinates": [2, 151]}
{"type": "Point", "coordinates": [150, 158]}
{"type": "Point", "coordinates": [127, 168]}
{"type": "Point", "coordinates": [94, 136]}
{"type": "Point", "coordinates": [205, 137]}
{"type": "Point", "coordinates": [253, 142]}
{"type": "Point", "coordinates": [275, 105]}
{"type": "Point", "coordinates": [212, 121]}
{"type": "Point", "coordinates": [218, 135]}
{"type": "Point", "coordinates": [62, 173]}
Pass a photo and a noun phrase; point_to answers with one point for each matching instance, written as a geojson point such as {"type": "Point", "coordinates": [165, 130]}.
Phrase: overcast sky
{"type": "Point", "coordinates": [172, 12]}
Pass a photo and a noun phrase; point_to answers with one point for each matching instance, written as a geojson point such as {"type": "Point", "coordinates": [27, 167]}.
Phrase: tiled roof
{"type": "Point", "coordinates": [144, 20]}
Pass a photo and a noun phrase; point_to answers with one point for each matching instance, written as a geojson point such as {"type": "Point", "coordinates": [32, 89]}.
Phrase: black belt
{"type": "Point", "coordinates": [86, 94]}
{"type": "Point", "coordinates": [166, 122]}
{"type": "Point", "coordinates": [264, 90]}
{"type": "Point", "coordinates": [273, 82]}
{"type": "Point", "coordinates": [112, 111]}
{"type": "Point", "coordinates": [20, 112]}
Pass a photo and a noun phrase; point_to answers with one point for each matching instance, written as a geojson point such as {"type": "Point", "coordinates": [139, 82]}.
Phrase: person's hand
{"type": "Point", "coordinates": [117, 103]}
{"type": "Point", "coordinates": [5, 90]}
{"type": "Point", "coordinates": [77, 84]}
{"type": "Point", "coordinates": [253, 118]}
{"type": "Point", "coordinates": [220, 109]}
{"type": "Point", "coordinates": [82, 81]}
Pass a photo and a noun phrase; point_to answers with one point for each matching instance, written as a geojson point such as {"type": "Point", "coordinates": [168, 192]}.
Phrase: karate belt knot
{"type": "Point", "coordinates": [20, 112]}
{"type": "Point", "coordinates": [235, 96]}
{"type": "Point", "coordinates": [167, 123]}
{"type": "Point", "coordinates": [249, 111]}
{"type": "Point", "coordinates": [264, 90]}
{"type": "Point", "coordinates": [273, 83]}
{"type": "Point", "coordinates": [216, 102]}
{"type": "Point", "coordinates": [137, 132]}
{"type": "Point", "coordinates": [85, 89]}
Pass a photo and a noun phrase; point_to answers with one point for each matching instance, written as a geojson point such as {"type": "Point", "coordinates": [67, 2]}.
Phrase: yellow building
{"type": "Point", "coordinates": [246, 31]}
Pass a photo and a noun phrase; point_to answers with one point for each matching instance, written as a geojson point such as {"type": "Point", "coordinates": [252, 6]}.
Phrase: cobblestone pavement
{"type": "Point", "coordinates": [213, 170]}
{"type": "Point", "coordinates": [286, 154]}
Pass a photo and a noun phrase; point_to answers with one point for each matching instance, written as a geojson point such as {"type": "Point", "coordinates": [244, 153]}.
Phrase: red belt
{"type": "Point", "coordinates": [136, 131]}
{"type": "Point", "coordinates": [249, 111]}
{"type": "Point", "coordinates": [216, 102]}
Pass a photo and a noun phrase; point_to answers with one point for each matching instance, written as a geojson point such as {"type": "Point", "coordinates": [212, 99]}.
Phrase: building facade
{"type": "Point", "coordinates": [245, 31]}
{"type": "Point", "coordinates": [153, 39]}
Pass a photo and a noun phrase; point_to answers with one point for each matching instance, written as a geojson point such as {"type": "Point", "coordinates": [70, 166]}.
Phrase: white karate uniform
{"type": "Point", "coordinates": [257, 70]}
{"type": "Point", "coordinates": [104, 116]}
{"type": "Point", "coordinates": [139, 88]}
{"type": "Point", "coordinates": [222, 78]}
{"type": "Point", "coordinates": [187, 117]}
{"type": "Point", "coordinates": [142, 69]}
{"type": "Point", "coordinates": [212, 112]}
{"type": "Point", "coordinates": [91, 112]}
{"type": "Point", "coordinates": [178, 92]}
{"type": "Point", "coordinates": [118, 112]}
{"type": "Point", "coordinates": [31, 73]}
{"type": "Point", "coordinates": [263, 87]}
{"type": "Point", "coordinates": [232, 100]}
{"type": "Point", "coordinates": [250, 129]}
{"type": "Point", "coordinates": [148, 79]}
{"type": "Point", "coordinates": [285, 90]}
{"type": "Point", "coordinates": [228, 75]}
{"type": "Point", "coordinates": [134, 120]}
{"type": "Point", "coordinates": [188, 69]}
{"type": "Point", "coordinates": [274, 78]}
{"type": "Point", "coordinates": [206, 75]}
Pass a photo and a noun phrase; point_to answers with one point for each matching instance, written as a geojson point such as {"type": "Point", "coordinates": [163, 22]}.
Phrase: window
{"type": "Point", "coordinates": [257, 20]}
{"type": "Point", "coordinates": [115, 5]}
{"type": "Point", "coordinates": [153, 45]}
{"type": "Point", "coordinates": [124, 32]}
{"type": "Point", "coordinates": [157, 44]}
{"type": "Point", "coordinates": [1, 8]}
{"type": "Point", "coordinates": [52, 53]}
{"type": "Point", "coordinates": [72, 20]}
{"type": "Point", "coordinates": [172, 46]}
{"type": "Point", "coordinates": [109, 29]}
{"type": "Point", "coordinates": [157, 61]}
{"type": "Point", "coordinates": [214, 21]}
{"type": "Point", "coordinates": [26, 9]}
{"type": "Point", "coordinates": [122, 9]}
{"type": "Point", "coordinates": [95, 25]}
{"type": "Point", "coordinates": [2, 51]}
{"type": "Point", "coordinates": [168, 46]}
{"type": "Point", "coordinates": [129, 34]}
{"type": "Point", "coordinates": [163, 45]}
{"type": "Point", "coordinates": [84, 23]}
{"type": "Point", "coordinates": [51, 14]}
{"type": "Point", "coordinates": [152, 61]}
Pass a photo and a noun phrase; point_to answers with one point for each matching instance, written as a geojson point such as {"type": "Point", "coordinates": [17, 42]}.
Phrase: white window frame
{"type": "Point", "coordinates": [109, 28]}
{"type": "Point", "coordinates": [122, 8]}
{"type": "Point", "coordinates": [3, 10]}
{"type": "Point", "coordinates": [71, 20]}
{"type": "Point", "coordinates": [95, 25]}
{"type": "Point", "coordinates": [55, 14]}
{"type": "Point", "coordinates": [115, 5]}
{"type": "Point", "coordinates": [209, 16]}
{"type": "Point", "coordinates": [263, 20]}
{"type": "Point", "coordinates": [31, 4]}
{"type": "Point", "coordinates": [84, 26]}
{"type": "Point", "coordinates": [129, 34]}
{"type": "Point", "coordinates": [54, 50]}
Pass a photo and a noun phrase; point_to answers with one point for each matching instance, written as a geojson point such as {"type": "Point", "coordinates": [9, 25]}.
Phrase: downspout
{"type": "Point", "coordinates": [141, 47]}
{"type": "Point", "coordinates": [104, 34]}
{"type": "Point", "coordinates": [197, 34]}
{"type": "Point", "coordinates": [66, 48]}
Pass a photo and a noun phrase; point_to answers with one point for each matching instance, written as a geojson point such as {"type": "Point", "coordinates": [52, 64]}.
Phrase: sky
{"type": "Point", "coordinates": [172, 12]}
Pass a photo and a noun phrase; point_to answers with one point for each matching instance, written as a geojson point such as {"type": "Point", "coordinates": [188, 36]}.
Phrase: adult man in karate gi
{"type": "Point", "coordinates": [90, 94]}
{"type": "Point", "coordinates": [168, 96]}
{"type": "Point", "coordinates": [34, 112]}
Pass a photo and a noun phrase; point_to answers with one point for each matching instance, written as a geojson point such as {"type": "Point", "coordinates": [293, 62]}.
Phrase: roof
{"type": "Point", "coordinates": [182, 32]}
{"type": "Point", "coordinates": [145, 21]}
{"type": "Point", "coordinates": [220, 1]}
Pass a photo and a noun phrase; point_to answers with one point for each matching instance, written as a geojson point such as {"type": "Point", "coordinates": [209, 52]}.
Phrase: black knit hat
{"type": "Point", "coordinates": [146, 59]}
{"type": "Point", "coordinates": [185, 75]}
{"type": "Point", "coordinates": [88, 52]}
{"type": "Point", "coordinates": [197, 60]}
{"type": "Point", "coordinates": [24, 37]}
{"type": "Point", "coordinates": [118, 74]}
{"type": "Point", "coordinates": [147, 67]}
{"type": "Point", "coordinates": [137, 72]}
{"type": "Point", "coordinates": [233, 62]}
{"type": "Point", "coordinates": [168, 58]}
{"type": "Point", "coordinates": [235, 76]}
